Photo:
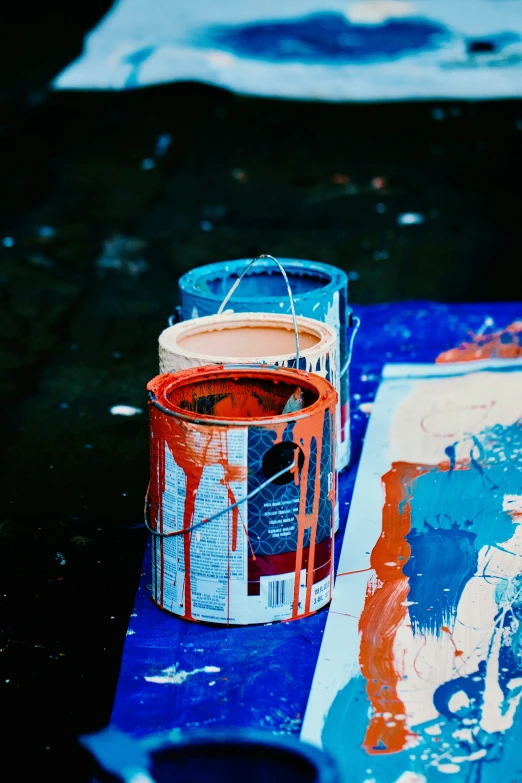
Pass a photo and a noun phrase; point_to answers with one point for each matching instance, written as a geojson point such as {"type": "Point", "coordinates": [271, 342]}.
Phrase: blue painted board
{"type": "Point", "coordinates": [179, 674]}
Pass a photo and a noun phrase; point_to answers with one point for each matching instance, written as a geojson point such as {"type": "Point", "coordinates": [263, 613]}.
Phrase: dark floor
{"type": "Point", "coordinates": [93, 243]}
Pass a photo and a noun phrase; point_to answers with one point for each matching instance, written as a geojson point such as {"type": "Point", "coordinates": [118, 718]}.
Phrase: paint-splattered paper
{"type": "Point", "coordinates": [419, 678]}
{"type": "Point", "coordinates": [314, 49]}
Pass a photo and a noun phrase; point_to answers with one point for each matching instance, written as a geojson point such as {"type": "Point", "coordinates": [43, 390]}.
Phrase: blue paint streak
{"type": "Point", "coordinates": [446, 560]}
{"type": "Point", "coordinates": [453, 515]}
{"type": "Point", "coordinates": [328, 37]}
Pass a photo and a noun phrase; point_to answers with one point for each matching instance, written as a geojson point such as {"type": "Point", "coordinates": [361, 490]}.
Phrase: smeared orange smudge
{"type": "Point", "coordinates": [383, 613]}
{"type": "Point", "coordinates": [487, 346]}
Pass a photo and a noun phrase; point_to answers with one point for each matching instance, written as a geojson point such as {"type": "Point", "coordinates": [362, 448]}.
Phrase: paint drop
{"type": "Point", "coordinates": [366, 407]}
{"type": "Point", "coordinates": [448, 769]}
{"type": "Point", "coordinates": [410, 219]}
{"type": "Point", "coordinates": [163, 142]}
{"type": "Point", "coordinates": [171, 675]}
{"type": "Point", "coordinates": [125, 410]}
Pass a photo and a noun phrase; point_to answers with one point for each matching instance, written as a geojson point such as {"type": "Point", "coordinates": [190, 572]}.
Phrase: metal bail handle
{"type": "Point", "coordinates": [291, 298]}
{"type": "Point", "coordinates": [175, 318]}
{"type": "Point", "coordinates": [288, 469]}
{"type": "Point", "coordinates": [354, 323]}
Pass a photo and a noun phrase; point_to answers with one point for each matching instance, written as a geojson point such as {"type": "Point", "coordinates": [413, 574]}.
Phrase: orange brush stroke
{"type": "Point", "coordinates": [383, 613]}
{"type": "Point", "coordinates": [487, 346]}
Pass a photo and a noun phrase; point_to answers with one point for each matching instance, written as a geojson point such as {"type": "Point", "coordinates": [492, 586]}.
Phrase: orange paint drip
{"type": "Point", "coordinates": [193, 449]}
{"type": "Point", "coordinates": [503, 344]}
{"type": "Point", "coordinates": [458, 653]}
{"type": "Point", "coordinates": [384, 612]}
{"type": "Point", "coordinates": [306, 432]}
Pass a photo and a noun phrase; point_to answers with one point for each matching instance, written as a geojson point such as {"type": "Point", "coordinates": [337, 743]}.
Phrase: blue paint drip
{"type": "Point", "coordinates": [441, 562]}
{"type": "Point", "coordinates": [328, 37]}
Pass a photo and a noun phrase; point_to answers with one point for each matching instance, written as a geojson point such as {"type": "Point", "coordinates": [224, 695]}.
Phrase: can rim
{"type": "Point", "coordinates": [325, 391]}
{"type": "Point", "coordinates": [326, 334]}
{"type": "Point", "coordinates": [338, 278]}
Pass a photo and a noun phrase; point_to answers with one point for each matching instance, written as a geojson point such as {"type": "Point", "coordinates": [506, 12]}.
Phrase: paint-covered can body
{"type": "Point", "coordinates": [218, 437]}
{"type": "Point", "coordinates": [228, 754]}
{"type": "Point", "coordinates": [320, 291]}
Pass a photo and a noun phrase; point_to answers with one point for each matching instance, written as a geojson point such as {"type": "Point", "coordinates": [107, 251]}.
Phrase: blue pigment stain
{"type": "Point", "coordinates": [328, 37]}
{"type": "Point", "coordinates": [437, 592]}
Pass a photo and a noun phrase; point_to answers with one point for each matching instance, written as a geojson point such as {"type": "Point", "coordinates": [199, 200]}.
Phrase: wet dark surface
{"type": "Point", "coordinates": [95, 231]}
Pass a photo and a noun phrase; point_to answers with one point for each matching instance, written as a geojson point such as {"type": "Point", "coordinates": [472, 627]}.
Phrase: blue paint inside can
{"type": "Point", "coordinates": [319, 291]}
{"type": "Point", "coordinates": [228, 755]}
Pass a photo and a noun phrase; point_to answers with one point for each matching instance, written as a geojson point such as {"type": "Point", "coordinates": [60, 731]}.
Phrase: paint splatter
{"type": "Point", "coordinates": [448, 574]}
{"type": "Point", "coordinates": [173, 676]}
{"type": "Point", "coordinates": [125, 410]}
{"type": "Point", "coordinates": [501, 344]}
{"type": "Point", "coordinates": [327, 37]}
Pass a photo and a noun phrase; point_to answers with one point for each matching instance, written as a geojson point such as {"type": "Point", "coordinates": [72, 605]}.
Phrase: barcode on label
{"type": "Point", "coordinates": [280, 592]}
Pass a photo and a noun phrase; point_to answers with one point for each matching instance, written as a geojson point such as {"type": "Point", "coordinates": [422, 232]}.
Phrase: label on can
{"type": "Point", "coordinates": [217, 550]}
{"type": "Point", "coordinates": [242, 564]}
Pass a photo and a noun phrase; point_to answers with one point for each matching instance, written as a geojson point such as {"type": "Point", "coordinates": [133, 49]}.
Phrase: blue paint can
{"type": "Point", "coordinates": [319, 291]}
{"type": "Point", "coordinates": [221, 755]}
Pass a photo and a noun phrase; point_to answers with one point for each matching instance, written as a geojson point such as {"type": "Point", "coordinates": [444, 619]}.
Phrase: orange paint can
{"type": "Point", "coordinates": [242, 493]}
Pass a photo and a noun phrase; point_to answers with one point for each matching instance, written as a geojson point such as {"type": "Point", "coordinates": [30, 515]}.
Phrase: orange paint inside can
{"type": "Point", "coordinates": [218, 437]}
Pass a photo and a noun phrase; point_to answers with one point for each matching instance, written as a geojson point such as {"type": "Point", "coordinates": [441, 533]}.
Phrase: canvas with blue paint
{"type": "Point", "coordinates": [420, 672]}
{"type": "Point", "coordinates": [319, 49]}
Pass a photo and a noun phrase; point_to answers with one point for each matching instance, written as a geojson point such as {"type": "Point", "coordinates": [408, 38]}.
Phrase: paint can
{"type": "Point", "coordinates": [242, 494]}
{"type": "Point", "coordinates": [221, 755]}
{"type": "Point", "coordinates": [320, 291]}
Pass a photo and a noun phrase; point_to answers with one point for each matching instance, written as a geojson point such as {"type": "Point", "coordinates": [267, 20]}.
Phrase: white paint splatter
{"type": "Point", "coordinates": [377, 11]}
{"type": "Point", "coordinates": [410, 219]}
{"type": "Point", "coordinates": [458, 701]}
{"type": "Point", "coordinates": [366, 407]}
{"type": "Point", "coordinates": [411, 777]}
{"type": "Point", "coordinates": [125, 410]}
{"type": "Point", "coordinates": [448, 769]}
{"type": "Point", "coordinates": [130, 632]}
{"type": "Point", "coordinates": [171, 675]}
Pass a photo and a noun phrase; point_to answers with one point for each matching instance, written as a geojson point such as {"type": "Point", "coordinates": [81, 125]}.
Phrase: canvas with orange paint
{"type": "Point", "coordinates": [419, 678]}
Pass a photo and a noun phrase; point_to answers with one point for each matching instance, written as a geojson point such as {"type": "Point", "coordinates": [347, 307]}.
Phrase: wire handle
{"type": "Point", "coordinates": [291, 298]}
{"type": "Point", "coordinates": [175, 318]}
{"type": "Point", "coordinates": [354, 323]}
{"type": "Point", "coordinates": [289, 469]}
